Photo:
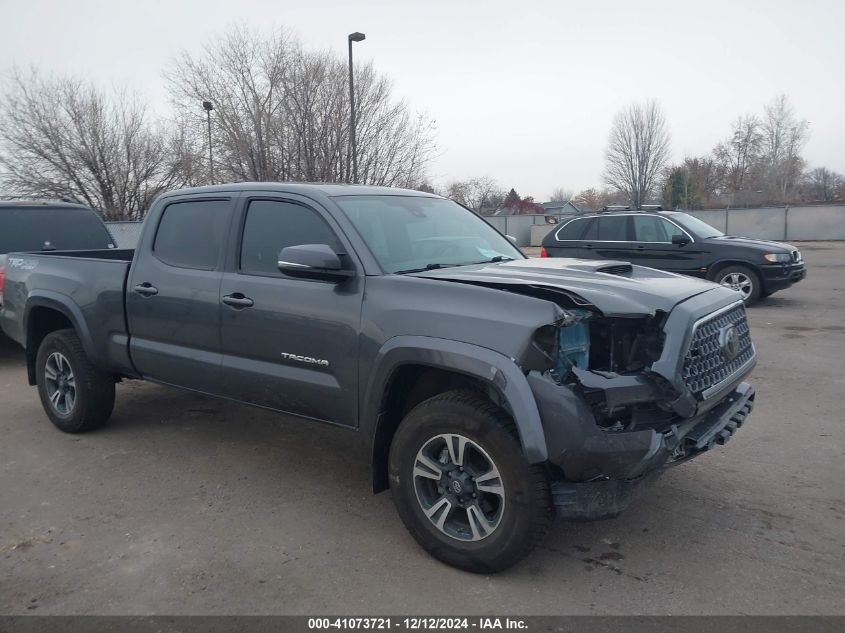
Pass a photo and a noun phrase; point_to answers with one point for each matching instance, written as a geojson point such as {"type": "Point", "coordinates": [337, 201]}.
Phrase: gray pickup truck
{"type": "Point", "coordinates": [489, 390]}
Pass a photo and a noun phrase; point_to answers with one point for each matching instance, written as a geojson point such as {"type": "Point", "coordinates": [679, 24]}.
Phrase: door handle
{"type": "Point", "coordinates": [146, 289]}
{"type": "Point", "coordinates": [238, 301]}
{"type": "Point", "coordinates": [640, 247]}
{"type": "Point", "coordinates": [589, 247]}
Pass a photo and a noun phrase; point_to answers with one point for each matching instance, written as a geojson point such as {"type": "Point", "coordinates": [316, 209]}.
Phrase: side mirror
{"type": "Point", "coordinates": [680, 240]}
{"type": "Point", "coordinates": [312, 261]}
{"type": "Point", "coordinates": [511, 238]}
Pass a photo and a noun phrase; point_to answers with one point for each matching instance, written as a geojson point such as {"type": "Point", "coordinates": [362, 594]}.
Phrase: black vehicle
{"type": "Point", "coordinates": [679, 243]}
{"type": "Point", "coordinates": [488, 389]}
{"type": "Point", "coordinates": [49, 226]}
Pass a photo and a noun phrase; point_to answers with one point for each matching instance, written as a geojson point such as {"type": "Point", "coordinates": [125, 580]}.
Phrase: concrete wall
{"type": "Point", "coordinates": [779, 223]}
{"type": "Point", "coordinates": [525, 228]}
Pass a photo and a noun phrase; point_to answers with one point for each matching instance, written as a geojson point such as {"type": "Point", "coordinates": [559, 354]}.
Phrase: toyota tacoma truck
{"type": "Point", "coordinates": [489, 390]}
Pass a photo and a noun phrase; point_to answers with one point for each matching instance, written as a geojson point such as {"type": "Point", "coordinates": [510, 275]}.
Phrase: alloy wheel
{"type": "Point", "coordinates": [459, 487]}
{"type": "Point", "coordinates": [739, 282]}
{"type": "Point", "coordinates": [60, 383]}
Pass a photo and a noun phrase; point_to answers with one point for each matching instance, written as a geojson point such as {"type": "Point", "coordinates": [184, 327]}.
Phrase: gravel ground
{"type": "Point", "coordinates": [187, 505]}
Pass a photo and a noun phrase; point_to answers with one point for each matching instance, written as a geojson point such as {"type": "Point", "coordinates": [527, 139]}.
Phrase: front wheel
{"type": "Point", "coordinates": [743, 280]}
{"type": "Point", "coordinates": [463, 487]}
{"type": "Point", "coordinates": [76, 396]}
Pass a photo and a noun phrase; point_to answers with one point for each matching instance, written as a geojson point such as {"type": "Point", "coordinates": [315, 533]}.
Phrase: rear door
{"type": "Point", "coordinates": [290, 344]}
{"type": "Point", "coordinates": [173, 295]}
{"type": "Point", "coordinates": [608, 237]}
{"type": "Point", "coordinates": [653, 245]}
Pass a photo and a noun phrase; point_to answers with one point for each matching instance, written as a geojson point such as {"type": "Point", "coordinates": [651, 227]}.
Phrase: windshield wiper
{"type": "Point", "coordinates": [492, 260]}
{"type": "Point", "coordinates": [424, 268]}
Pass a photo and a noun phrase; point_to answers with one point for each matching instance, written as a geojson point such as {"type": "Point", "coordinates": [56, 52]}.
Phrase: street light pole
{"type": "Point", "coordinates": [353, 37]}
{"type": "Point", "coordinates": [208, 106]}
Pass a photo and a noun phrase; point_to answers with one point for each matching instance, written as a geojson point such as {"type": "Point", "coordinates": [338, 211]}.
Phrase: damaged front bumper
{"type": "Point", "coordinates": [603, 470]}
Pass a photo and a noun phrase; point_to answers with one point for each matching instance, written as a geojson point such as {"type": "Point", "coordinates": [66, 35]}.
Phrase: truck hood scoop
{"type": "Point", "coordinates": [615, 288]}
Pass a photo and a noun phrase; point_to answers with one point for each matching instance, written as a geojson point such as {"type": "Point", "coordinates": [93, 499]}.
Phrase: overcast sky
{"type": "Point", "coordinates": [523, 91]}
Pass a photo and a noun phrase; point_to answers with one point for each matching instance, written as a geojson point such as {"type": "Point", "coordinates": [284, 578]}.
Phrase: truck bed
{"type": "Point", "coordinates": [89, 285]}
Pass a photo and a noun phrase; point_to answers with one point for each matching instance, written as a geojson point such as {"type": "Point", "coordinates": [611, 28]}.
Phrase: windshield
{"type": "Point", "coordinates": [699, 227]}
{"type": "Point", "coordinates": [409, 233]}
{"type": "Point", "coordinates": [33, 228]}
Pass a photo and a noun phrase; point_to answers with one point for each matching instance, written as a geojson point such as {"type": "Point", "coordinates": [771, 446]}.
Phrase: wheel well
{"type": "Point", "coordinates": [719, 266]}
{"type": "Point", "coordinates": [40, 322]}
{"type": "Point", "coordinates": [409, 386]}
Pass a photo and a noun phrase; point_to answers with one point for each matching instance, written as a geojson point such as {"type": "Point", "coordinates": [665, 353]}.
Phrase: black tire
{"type": "Point", "coordinates": [93, 398]}
{"type": "Point", "coordinates": [526, 507]}
{"type": "Point", "coordinates": [741, 273]}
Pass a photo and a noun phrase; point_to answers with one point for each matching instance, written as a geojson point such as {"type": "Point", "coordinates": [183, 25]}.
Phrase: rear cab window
{"type": "Point", "coordinates": [192, 234]}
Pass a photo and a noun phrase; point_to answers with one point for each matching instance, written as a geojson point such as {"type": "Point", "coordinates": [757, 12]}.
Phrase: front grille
{"type": "Point", "coordinates": [706, 364]}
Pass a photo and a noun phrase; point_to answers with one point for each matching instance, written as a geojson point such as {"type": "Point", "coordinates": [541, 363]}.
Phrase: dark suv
{"type": "Point", "coordinates": [679, 243]}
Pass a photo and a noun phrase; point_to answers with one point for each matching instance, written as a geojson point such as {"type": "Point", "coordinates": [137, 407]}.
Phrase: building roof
{"type": "Point", "coordinates": [567, 206]}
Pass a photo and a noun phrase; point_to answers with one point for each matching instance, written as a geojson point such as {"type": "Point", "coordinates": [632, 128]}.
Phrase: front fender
{"type": "Point", "coordinates": [478, 362]}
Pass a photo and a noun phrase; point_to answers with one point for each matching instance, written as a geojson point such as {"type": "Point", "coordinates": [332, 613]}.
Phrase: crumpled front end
{"type": "Point", "coordinates": [624, 398]}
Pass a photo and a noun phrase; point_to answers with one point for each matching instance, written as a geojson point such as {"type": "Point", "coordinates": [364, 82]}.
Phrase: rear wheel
{"type": "Point", "coordinates": [463, 487]}
{"type": "Point", "coordinates": [743, 280]}
{"type": "Point", "coordinates": [76, 396]}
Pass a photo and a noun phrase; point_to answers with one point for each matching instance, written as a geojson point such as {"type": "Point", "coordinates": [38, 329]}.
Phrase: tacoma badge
{"type": "Point", "coordinates": [305, 359]}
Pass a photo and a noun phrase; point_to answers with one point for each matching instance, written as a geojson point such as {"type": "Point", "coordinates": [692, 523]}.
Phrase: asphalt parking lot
{"type": "Point", "coordinates": [187, 505]}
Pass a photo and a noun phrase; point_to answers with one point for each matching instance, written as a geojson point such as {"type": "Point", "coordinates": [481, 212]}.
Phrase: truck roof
{"type": "Point", "coordinates": [327, 189]}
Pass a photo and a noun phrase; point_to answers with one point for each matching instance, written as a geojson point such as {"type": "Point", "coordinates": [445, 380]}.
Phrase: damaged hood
{"type": "Point", "coordinates": [631, 290]}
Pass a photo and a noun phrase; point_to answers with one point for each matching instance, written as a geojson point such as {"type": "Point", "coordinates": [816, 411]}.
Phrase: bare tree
{"type": "Point", "coordinates": [282, 113]}
{"type": "Point", "coordinates": [784, 136]}
{"type": "Point", "coordinates": [593, 198]}
{"type": "Point", "coordinates": [561, 194]}
{"type": "Point", "coordinates": [61, 137]}
{"type": "Point", "coordinates": [739, 155]}
{"type": "Point", "coordinates": [476, 193]}
{"type": "Point", "coordinates": [823, 184]}
{"type": "Point", "coordinates": [637, 151]}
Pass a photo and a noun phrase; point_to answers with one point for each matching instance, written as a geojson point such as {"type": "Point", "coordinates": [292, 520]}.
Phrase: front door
{"type": "Point", "coordinates": [289, 344]}
{"type": "Point", "coordinates": [653, 246]}
{"type": "Point", "coordinates": [173, 295]}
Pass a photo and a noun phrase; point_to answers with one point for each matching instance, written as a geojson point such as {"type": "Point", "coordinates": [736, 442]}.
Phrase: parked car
{"type": "Point", "coordinates": [679, 243]}
{"type": "Point", "coordinates": [49, 226]}
{"type": "Point", "coordinates": [489, 389]}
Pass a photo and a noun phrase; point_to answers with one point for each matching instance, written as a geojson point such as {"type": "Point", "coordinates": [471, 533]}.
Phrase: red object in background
{"type": "Point", "coordinates": [2, 282]}
{"type": "Point", "coordinates": [543, 252]}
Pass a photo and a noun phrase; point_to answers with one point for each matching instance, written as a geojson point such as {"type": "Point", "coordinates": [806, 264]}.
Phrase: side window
{"type": "Point", "coordinates": [651, 228]}
{"type": "Point", "coordinates": [191, 234]}
{"type": "Point", "coordinates": [272, 225]}
{"type": "Point", "coordinates": [572, 230]}
{"type": "Point", "coordinates": [613, 228]}
{"type": "Point", "coordinates": [669, 229]}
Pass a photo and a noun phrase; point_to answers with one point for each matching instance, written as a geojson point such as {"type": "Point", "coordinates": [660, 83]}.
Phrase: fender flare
{"type": "Point", "coordinates": [65, 306]}
{"type": "Point", "coordinates": [729, 261]}
{"type": "Point", "coordinates": [478, 362]}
